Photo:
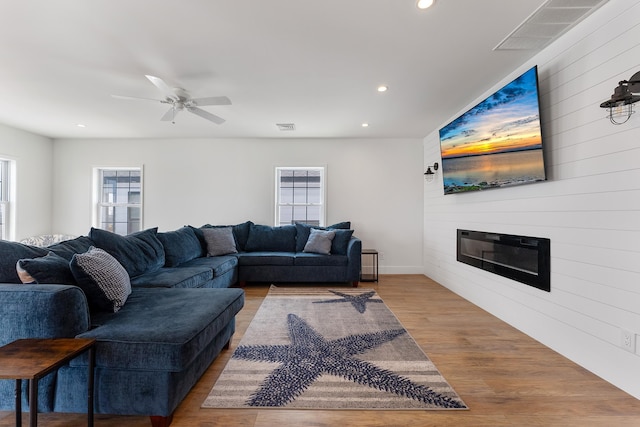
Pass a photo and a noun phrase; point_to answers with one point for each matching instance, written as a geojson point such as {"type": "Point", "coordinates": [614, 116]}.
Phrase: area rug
{"type": "Point", "coordinates": [312, 348]}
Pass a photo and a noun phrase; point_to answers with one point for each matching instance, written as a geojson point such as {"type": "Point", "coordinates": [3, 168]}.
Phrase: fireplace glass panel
{"type": "Point", "coordinates": [522, 258]}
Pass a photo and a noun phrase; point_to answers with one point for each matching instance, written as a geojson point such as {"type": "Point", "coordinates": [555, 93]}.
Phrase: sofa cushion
{"type": "Point", "coordinates": [180, 246]}
{"type": "Point", "coordinates": [10, 253]}
{"type": "Point", "coordinates": [303, 230]}
{"type": "Point", "coordinates": [102, 278]}
{"type": "Point", "coordinates": [49, 269]}
{"type": "Point", "coordinates": [68, 248]}
{"type": "Point", "coordinates": [266, 258]}
{"type": "Point", "coordinates": [174, 277]}
{"type": "Point", "coordinates": [139, 253]}
{"type": "Point", "coordinates": [161, 328]}
{"type": "Point", "coordinates": [219, 264]}
{"type": "Point", "coordinates": [266, 238]}
{"type": "Point", "coordinates": [340, 242]}
{"type": "Point", "coordinates": [319, 241]}
{"type": "Point", "coordinates": [311, 259]}
{"type": "Point", "coordinates": [241, 233]}
{"type": "Point", "coordinates": [220, 241]}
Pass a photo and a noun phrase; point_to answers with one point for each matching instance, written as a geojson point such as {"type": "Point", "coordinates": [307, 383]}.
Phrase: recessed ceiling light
{"type": "Point", "coordinates": [80, 125]}
{"type": "Point", "coordinates": [365, 125]}
{"type": "Point", "coordinates": [424, 4]}
{"type": "Point", "coordinates": [383, 88]}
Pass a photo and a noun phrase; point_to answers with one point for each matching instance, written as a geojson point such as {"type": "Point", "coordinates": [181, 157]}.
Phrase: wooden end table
{"type": "Point", "coordinates": [33, 358]}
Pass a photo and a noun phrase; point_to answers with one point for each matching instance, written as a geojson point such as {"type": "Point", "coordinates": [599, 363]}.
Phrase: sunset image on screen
{"type": "Point", "coordinates": [506, 121]}
{"type": "Point", "coordinates": [496, 143]}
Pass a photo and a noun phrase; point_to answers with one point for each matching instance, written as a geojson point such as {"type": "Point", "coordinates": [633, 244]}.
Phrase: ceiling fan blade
{"type": "Point", "coordinates": [135, 98]}
{"type": "Point", "coordinates": [206, 115]}
{"type": "Point", "coordinates": [170, 115]}
{"type": "Point", "coordinates": [164, 88]}
{"type": "Point", "coordinates": [213, 100]}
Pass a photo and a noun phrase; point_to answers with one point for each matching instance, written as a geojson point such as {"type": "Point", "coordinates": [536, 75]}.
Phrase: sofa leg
{"type": "Point", "coordinates": [227, 346]}
{"type": "Point", "coordinates": [158, 421]}
{"type": "Point", "coordinates": [355, 284]}
{"type": "Point", "coordinates": [242, 284]}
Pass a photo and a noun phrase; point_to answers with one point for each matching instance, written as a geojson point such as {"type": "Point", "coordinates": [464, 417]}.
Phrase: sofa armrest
{"type": "Point", "coordinates": [42, 311]}
{"type": "Point", "coordinates": [354, 253]}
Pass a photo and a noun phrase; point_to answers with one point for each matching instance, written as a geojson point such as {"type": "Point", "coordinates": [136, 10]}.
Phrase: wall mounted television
{"type": "Point", "coordinates": [497, 143]}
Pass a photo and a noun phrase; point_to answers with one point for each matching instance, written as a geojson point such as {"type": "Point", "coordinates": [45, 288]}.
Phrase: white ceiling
{"type": "Point", "coordinates": [313, 63]}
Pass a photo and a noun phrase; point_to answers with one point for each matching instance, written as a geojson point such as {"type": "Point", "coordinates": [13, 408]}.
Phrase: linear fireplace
{"type": "Point", "coordinates": [521, 258]}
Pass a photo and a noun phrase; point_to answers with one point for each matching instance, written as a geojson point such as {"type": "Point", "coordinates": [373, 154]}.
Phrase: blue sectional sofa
{"type": "Point", "coordinates": [160, 305]}
{"type": "Point", "coordinates": [281, 255]}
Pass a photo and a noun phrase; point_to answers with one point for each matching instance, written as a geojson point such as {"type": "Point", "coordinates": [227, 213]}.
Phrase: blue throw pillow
{"type": "Point", "coordinates": [10, 253]}
{"type": "Point", "coordinates": [49, 269]}
{"type": "Point", "coordinates": [272, 239]}
{"type": "Point", "coordinates": [303, 230]}
{"type": "Point", "coordinates": [69, 248]}
{"type": "Point", "coordinates": [180, 246]}
{"type": "Point", "coordinates": [340, 242]}
{"type": "Point", "coordinates": [139, 253]}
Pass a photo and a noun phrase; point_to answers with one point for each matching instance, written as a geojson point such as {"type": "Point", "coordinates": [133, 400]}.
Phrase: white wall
{"type": "Point", "coordinates": [33, 160]}
{"type": "Point", "coordinates": [589, 208]}
{"type": "Point", "coordinates": [375, 184]}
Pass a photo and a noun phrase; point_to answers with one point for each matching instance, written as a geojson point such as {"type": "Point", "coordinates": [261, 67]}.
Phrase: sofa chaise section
{"type": "Point", "coordinates": [148, 355]}
{"type": "Point", "coordinates": [151, 353]}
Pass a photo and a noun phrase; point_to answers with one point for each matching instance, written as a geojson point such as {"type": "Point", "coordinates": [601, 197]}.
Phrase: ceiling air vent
{"type": "Point", "coordinates": [286, 126]}
{"type": "Point", "coordinates": [546, 24]}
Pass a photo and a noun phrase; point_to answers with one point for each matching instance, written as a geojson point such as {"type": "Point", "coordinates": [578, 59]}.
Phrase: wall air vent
{"type": "Point", "coordinates": [286, 126]}
{"type": "Point", "coordinates": [547, 23]}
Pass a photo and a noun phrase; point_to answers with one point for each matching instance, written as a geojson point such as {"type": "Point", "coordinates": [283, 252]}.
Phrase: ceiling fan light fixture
{"type": "Point", "coordinates": [424, 4]}
{"type": "Point", "coordinates": [179, 99]}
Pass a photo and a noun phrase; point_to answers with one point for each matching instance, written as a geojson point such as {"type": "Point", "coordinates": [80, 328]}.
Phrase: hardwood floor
{"type": "Point", "coordinates": [505, 377]}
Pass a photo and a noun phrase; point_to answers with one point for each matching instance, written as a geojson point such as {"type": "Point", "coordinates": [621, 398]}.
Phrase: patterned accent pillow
{"type": "Point", "coordinates": [103, 279]}
{"type": "Point", "coordinates": [319, 241]}
{"type": "Point", "coordinates": [46, 239]}
{"type": "Point", "coordinates": [220, 241]}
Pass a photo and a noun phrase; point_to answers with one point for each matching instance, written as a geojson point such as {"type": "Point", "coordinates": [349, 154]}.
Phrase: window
{"type": "Point", "coordinates": [4, 199]}
{"type": "Point", "coordinates": [119, 200]}
{"type": "Point", "coordinates": [300, 195]}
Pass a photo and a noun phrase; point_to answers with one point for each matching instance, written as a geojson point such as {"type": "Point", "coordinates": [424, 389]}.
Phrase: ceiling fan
{"type": "Point", "coordinates": [178, 99]}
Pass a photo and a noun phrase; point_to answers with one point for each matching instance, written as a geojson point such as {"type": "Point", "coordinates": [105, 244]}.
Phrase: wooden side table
{"type": "Point", "coordinates": [33, 358]}
{"type": "Point", "coordinates": [373, 276]}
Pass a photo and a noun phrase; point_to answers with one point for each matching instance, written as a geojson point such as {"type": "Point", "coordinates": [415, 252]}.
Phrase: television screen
{"type": "Point", "coordinates": [498, 142]}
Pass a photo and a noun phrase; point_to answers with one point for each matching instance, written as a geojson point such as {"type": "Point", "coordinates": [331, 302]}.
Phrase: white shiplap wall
{"type": "Point", "coordinates": [589, 207]}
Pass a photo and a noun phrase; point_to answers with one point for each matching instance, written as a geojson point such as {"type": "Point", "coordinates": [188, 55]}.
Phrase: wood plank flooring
{"type": "Point", "coordinates": [505, 377]}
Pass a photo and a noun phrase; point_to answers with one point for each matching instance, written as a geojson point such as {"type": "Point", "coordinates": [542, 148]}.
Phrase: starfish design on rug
{"type": "Point", "coordinates": [359, 302]}
{"type": "Point", "coordinates": [310, 355]}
